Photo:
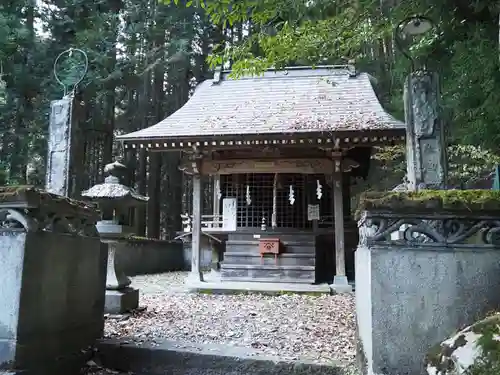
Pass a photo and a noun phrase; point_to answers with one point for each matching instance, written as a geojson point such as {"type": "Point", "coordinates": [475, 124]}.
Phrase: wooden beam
{"type": "Point", "coordinates": [240, 166]}
{"type": "Point", "coordinates": [339, 141]}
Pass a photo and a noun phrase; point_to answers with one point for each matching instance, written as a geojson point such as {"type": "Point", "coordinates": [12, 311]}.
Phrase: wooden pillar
{"type": "Point", "coordinates": [215, 246]}
{"type": "Point", "coordinates": [196, 274]}
{"type": "Point", "coordinates": [140, 213]}
{"type": "Point", "coordinates": [154, 187]}
{"type": "Point", "coordinates": [340, 283]}
{"type": "Point", "coordinates": [216, 198]}
{"type": "Point", "coordinates": [346, 191]}
{"type": "Point", "coordinates": [129, 180]}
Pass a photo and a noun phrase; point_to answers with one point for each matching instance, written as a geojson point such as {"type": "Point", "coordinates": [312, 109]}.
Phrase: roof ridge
{"type": "Point", "coordinates": [300, 67]}
{"type": "Point", "coordinates": [293, 72]}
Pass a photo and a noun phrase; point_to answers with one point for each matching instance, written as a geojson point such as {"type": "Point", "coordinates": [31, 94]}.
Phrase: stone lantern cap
{"type": "Point", "coordinates": [112, 191]}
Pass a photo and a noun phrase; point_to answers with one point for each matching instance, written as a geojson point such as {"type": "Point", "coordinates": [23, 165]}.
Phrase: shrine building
{"type": "Point", "coordinates": [280, 152]}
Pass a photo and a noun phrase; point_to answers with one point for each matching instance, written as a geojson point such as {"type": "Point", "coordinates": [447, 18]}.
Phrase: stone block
{"type": "Point", "coordinates": [413, 293]}
{"type": "Point", "coordinates": [120, 301]}
{"type": "Point", "coordinates": [53, 269]}
{"type": "Point", "coordinates": [340, 285]}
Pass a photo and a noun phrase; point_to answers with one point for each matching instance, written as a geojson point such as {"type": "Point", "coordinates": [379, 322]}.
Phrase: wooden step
{"type": "Point", "coordinates": [250, 246]}
{"type": "Point", "coordinates": [283, 280]}
{"type": "Point", "coordinates": [284, 259]}
{"type": "Point", "coordinates": [284, 237]}
{"type": "Point", "coordinates": [272, 273]}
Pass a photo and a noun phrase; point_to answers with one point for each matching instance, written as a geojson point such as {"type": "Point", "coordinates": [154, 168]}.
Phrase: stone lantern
{"type": "Point", "coordinates": [115, 202]}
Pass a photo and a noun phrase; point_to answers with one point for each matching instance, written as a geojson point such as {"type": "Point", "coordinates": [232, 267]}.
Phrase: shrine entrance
{"type": "Point", "coordinates": [279, 153]}
{"type": "Point", "coordinates": [287, 198]}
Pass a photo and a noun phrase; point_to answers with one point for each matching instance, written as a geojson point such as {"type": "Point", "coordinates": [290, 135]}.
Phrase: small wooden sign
{"type": "Point", "coordinates": [312, 212]}
{"type": "Point", "coordinates": [229, 210]}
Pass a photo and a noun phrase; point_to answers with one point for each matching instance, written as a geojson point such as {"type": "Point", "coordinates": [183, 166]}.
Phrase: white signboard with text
{"type": "Point", "coordinates": [229, 209]}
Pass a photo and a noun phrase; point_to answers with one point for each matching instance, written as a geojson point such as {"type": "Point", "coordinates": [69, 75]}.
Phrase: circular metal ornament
{"type": "Point", "coordinates": [410, 32]}
{"type": "Point", "coordinates": [70, 68]}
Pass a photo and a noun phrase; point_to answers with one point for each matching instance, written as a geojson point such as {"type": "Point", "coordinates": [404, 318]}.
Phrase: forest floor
{"type": "Point", "coordinates": [293, 327]}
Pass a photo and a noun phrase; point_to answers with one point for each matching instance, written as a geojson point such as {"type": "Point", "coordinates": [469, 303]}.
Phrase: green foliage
{"type": "Point", "coordinates": [141, 55]}
{"type": "Point", "coordinates": [489, 361]}
{"type": "Point", "coordinates": [468, 166]}
{"type": "Point", "coordinates": [432, 201]}
{"type": "Point", "coordinates": [487, 353]}
{"type": "Point", "coordinates": [135, 75]}
{"type": "Point", "coordinates": [464, 49]}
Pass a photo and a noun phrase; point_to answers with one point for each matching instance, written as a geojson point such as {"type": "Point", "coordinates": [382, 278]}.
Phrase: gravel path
{"type": "Point", "coordinates": [319, 329]}
{"type": "Point", "coordinates": [94, 369]}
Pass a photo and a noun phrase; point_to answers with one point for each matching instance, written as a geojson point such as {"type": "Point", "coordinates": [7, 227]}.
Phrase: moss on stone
{"type": "Point", "coordinates": [489, 342]}
{"type": "Point", "coordinates": [134, 238]}
{"type": "Point", "coordinates": [487, 362]}
{"type": "Point", "coordinates": [433, 356]}
{"type": "Point", "coordinates": [453, 201]}
{"type": "Point", "coordinates": [440, 355]}
{"type": "Point", "coordinates": [32, 197]}
{"type": "Point", "coordinates": [10, 194]}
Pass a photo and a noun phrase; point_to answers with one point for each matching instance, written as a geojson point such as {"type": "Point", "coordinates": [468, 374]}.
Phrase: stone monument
{"type": "Point", "coordinates": [65, 154]}
{"type": "Point", "coordinates": [425, 141]}
{"type": "Point", "coordinates": [62, 147]}
{"type": "Point", "coordinates": [115, 201]}
{"type": "Point", "coordinates": [426, 157]}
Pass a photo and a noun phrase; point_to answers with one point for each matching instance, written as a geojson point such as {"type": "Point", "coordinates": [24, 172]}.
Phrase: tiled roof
{"type": "Point", "coordinates": [297, 100]}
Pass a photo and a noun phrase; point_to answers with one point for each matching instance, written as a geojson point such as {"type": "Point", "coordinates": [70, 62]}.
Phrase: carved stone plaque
{"type": "Point", "coordinates": [431, 162]}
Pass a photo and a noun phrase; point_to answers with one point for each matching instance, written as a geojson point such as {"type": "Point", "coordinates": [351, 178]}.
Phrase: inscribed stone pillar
{"type": "Point", "coordinates": [425, 142]}
{"type": "Point", "coordinates": [63, 175]}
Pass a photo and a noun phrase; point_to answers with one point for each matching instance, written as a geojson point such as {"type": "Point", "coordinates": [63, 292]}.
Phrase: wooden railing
{"type": "Point", "coordinates": [215, 222]}
{"type": "Point", "coordinates": [327, 221]}
{"type": "Point", "coordinates": [208, 223]}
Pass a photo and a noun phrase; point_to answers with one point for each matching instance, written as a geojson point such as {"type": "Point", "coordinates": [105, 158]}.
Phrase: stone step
{"type": "Point", "coordinates": [298, 274]}
{"type": "Point", "coordinates": [282, 280]}
{"type": "Point", "coordinates": [169, 357]}
{"type": "Point", "coordinates": [260, 286]}
{"type": "Point", "coordinates": [284, 259]}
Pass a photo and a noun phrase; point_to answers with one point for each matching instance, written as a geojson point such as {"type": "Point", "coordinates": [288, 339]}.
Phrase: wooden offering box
{"type": "Point", "coordinates": [269, 246]}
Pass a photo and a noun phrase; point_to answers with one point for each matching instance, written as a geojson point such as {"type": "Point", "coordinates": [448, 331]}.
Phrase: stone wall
{"type": "Point", "coordinates": [53, 269]}
{"type": "Point", "coordinates": [206, 253]}
{"type": "Point", "coordinates": [413, 293]}
{"type": "Point", "coordinates": [148, 256]}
